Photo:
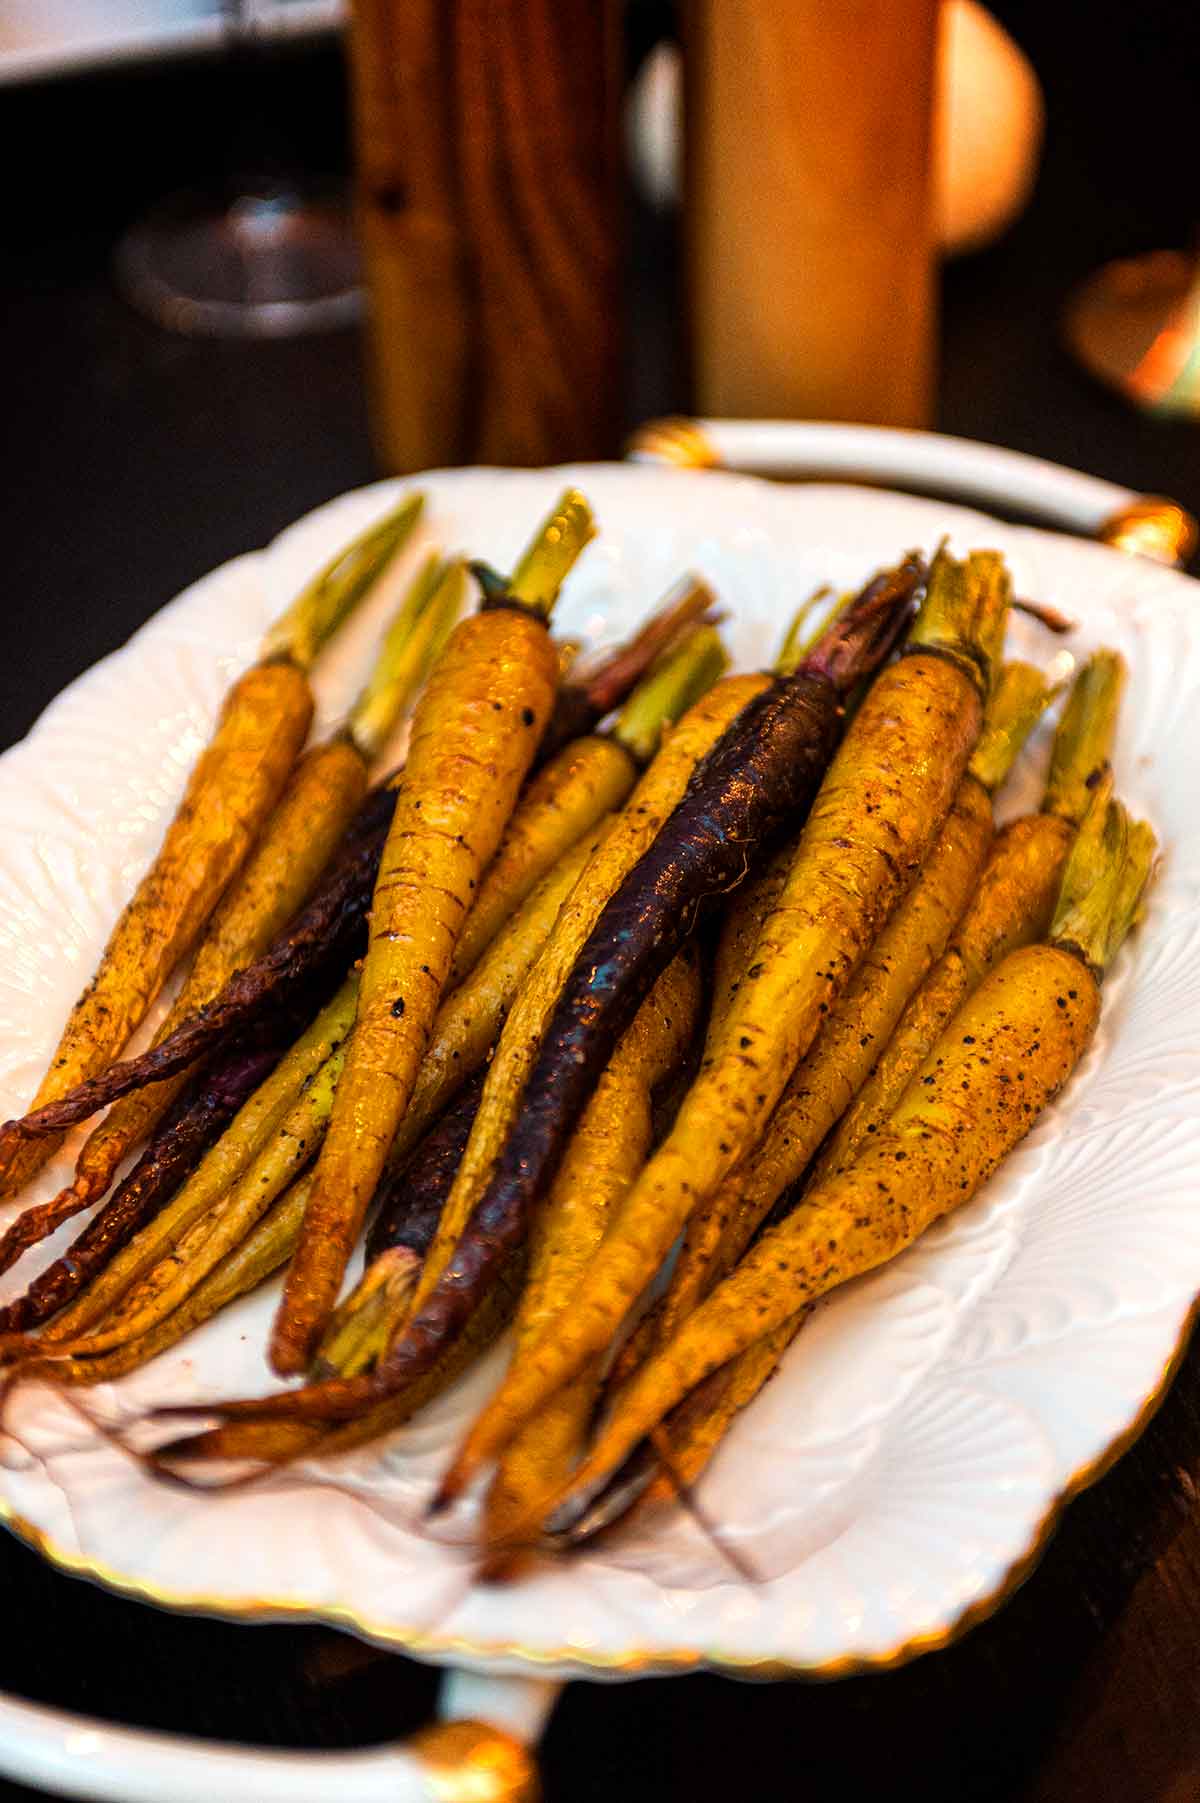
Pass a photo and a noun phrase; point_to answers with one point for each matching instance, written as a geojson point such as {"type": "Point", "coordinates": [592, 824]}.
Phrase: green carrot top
{"type": "Point", "coordinates": [546, 560]}
{"type": "Point", "coordinates": [1110, 865]}
{"type": "Point", "coordinates": [964, 613]}
{"type": "Point", "coordinates": [1020, 696]}
{"type": "Point", "coordinates": [1084, 740]}
{"type": "Point", "coordinates": [411, 646]}
{"type": "Point", "coordinates": [687, 671]}
{"type": "Point", "coordinates": [326, 601]}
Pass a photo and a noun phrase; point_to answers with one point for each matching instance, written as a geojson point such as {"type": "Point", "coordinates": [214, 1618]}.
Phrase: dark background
{"type": "Point", "coordinates": [134, 461]}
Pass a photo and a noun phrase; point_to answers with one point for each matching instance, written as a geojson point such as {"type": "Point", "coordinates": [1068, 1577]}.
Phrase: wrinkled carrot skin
{"type": "Point", "coordinates": [606, 1152]}
{"type": "Point", "coordinates": [1011, 907]}
{"type": "Point", "coordinates": [743, 922]}
{"type": "Point", "coordinates": [282, 1157]}
{"type": "Point", "coordinates": [651, 802]}
{"type": "Point", "coordinates": [564, 801]}
{"type": "Point", "coordinates": [233, 786]}
{"type": "Point", "coordinates": [745, 916]}
{"type": "Point", "coordinates": [217, 1173]}
{"type": "Point", "coordinates": [183, 1137]}
{"type": "Point", "coordinates": [475, 732]}
{"type": "Point", "coordinates": [297, 842]}
{"type": "Point", "coordinates": [471, 1017]}
{"type": "Point", "coordinates": [884, 800]}
{"type": "Point", "coordinates": [409, 1205]}
{"type": "Point", "coordinates": [325, 937]}
{"type": "Point", "coordinates": [248, 1265]}
{"type": "Point", "coordinates": [1003, 1058]}
{"type": "Point", "coordinates": [840, 1060]}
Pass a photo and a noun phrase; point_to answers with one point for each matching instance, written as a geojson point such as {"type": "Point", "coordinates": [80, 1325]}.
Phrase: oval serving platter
{"type": "Point", "coordinates": [905, 1466]}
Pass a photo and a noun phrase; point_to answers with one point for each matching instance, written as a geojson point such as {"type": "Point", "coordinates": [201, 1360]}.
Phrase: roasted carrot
{"type": "Point", "coordinates": [248, 1265]}
{"type": "Point", "coordinates": [1011, 906]}
{"type": "Point", "coordinates": [251, 1130]}
{"type": "Point", "coordinates": [326, 934]}
{"type": "Point", "coordinates": [865, 1015]}
{"type": "Point", "coordinates": [606, 1151]}
{"type": "Point", "coordinates": [589, 777]}
{"type": "Point", "coordinates": [475, 732]}
{"type": "Point", "coordinates": [764, 773]}
{"type": "Point", "coordinates": [321, 799]}
{"type": "Point", "coordinates": [185, 1133]}
{"type": "Point", "coordinates": [883, 802]}
{"type": "Point", "coordinates": [467, 1028]}
{"type": "Point", "coordinates": [1002, 1059]}
{"type": "Point", "coordinates": [690, 1435]}
{"type": "Point", "coordinates": [409, 1206]}
{"type": "Point", "coordinates": [232, 788]}
{"type": "Point", "coordinates": [593, 691]}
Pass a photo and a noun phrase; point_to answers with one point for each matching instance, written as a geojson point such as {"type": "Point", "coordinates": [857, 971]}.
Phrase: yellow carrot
{"type": "Point", "coordinates": [474, 736]}
{"type": "Point", "coordinates": [864, 1018]}
{"type": "Point", "coordinates": [218, 1172]}
{"type": "Point", "coordinates": [606, 1152]}
{"type": "Point", "coordinates": [232, 788]}
{"type": "Point", "coordinates": [1011, 906]}
{"type": "Point", "coordinates": [1003, 1058]}
{"type": "Point", "coordinates": [887, 793]}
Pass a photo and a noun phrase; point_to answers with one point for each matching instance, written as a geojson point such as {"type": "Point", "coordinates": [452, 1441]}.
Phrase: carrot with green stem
{"type": "Point", "coordinates": [864, 1017]}
{"type": "Point", "coordinates": [329, 931]}
{"type": "Point", "coordinates": [232, 789]}
{"type": "Point", "coordinates": [616, 853]}
{"type": "Point", "coordinates": [606, 1151]}
{"type": "Point", "coordinates": [318, 804]}
{"type": "Point", "coordinates": [1011, 906]}
{"type": "Point", "coordinates": [587, 779]}
{"type": "Point", "coordinates": [603, 682]}
{"type": "Point", "coordinates": [882, 804]}
{"type": "Point", "coordinates": [472, 1015]}
{"type": "Point", "coordinates": [474, 736]}
{"type": "Point", "coordinates": [1001, 1060]}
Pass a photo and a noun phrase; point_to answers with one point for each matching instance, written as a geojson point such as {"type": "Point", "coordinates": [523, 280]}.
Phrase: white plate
{"type": "Point", "coordinates": [910, 1456]}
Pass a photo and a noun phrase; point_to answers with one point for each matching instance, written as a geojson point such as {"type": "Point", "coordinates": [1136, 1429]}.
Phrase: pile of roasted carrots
{"type": "Point", "coordinates": [623, 961]}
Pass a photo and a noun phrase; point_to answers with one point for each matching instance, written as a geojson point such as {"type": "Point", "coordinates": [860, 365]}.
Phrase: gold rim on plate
{"type": "Point", "coordinates": [446, 1648]}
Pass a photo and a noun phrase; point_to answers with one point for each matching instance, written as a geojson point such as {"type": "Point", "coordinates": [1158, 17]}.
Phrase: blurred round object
{"type": "Point", "coordinates": [271, 265]}
{"type": "Point", "coordinates": [987, 130]}
{"type": "Point", "coordinates": [1135, 325]}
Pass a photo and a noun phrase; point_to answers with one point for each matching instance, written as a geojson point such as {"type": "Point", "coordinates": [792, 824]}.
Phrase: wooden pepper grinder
{"type": "Point", "coordinates": [488, 162]}
{"type": "Point", "coordinates": [808, 206]}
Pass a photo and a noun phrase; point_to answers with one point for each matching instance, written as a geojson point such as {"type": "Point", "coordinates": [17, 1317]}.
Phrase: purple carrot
{"type": "Point", "coordinates": [759, 778]}
{"type": "Point", "coordinates": [184, 1135]}
{"type": "Point", "coordinates": [410, 1200]}
{"type": "Point", "coordinates": [327, 934]}
{"type": "Point", "coordinates": [322, 941]}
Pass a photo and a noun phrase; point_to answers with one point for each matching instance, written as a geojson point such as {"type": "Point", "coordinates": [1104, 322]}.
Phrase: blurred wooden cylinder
{"type": "Point", "coordinates": [810, 235]}
{"type": "Point", "coordinates": [487, 153]}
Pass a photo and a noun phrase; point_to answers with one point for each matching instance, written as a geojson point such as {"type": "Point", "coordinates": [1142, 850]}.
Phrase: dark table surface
{"type": "Point", "coordinates": [135, 461]}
